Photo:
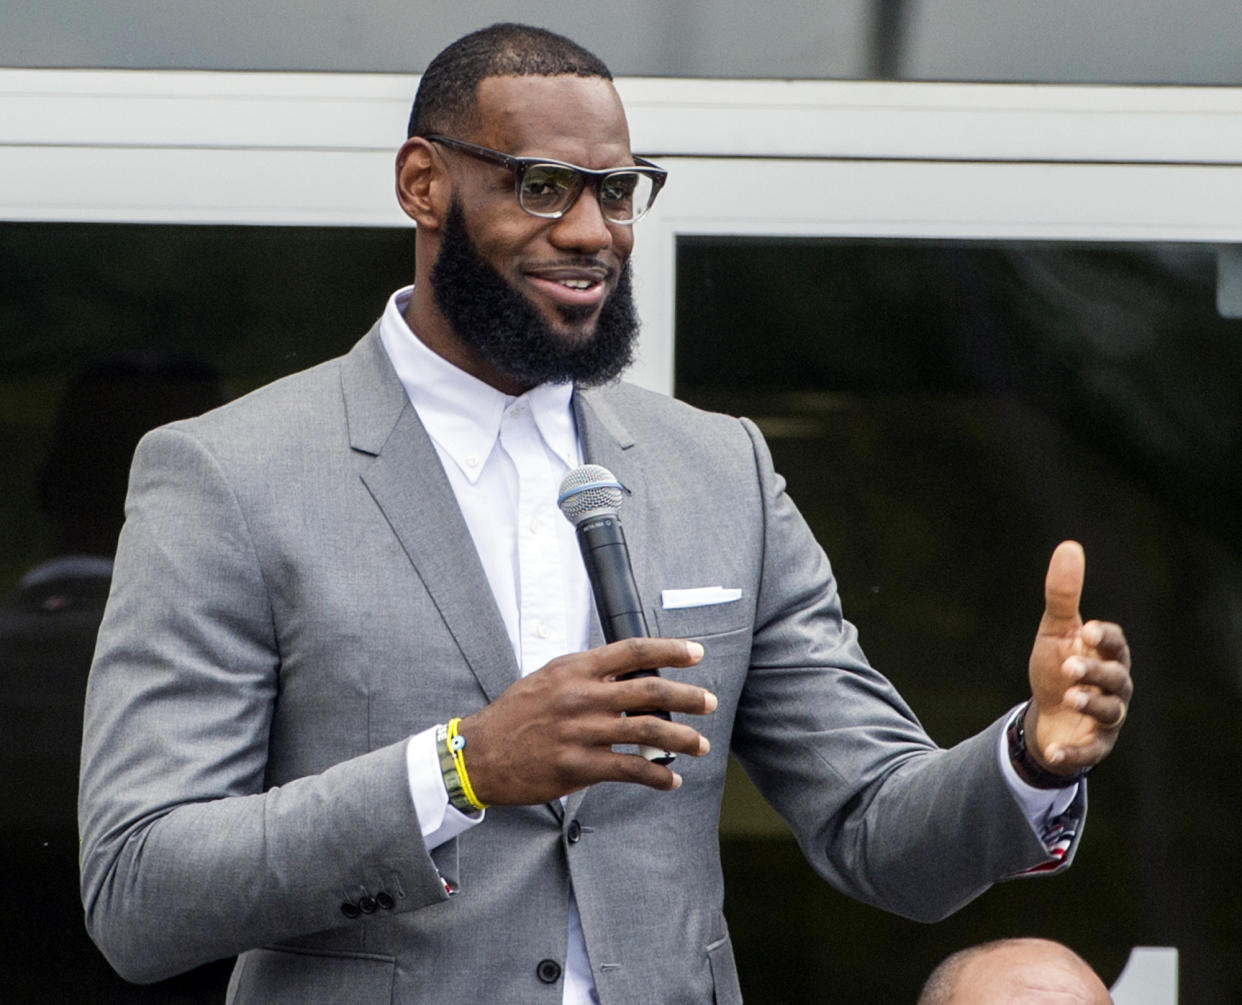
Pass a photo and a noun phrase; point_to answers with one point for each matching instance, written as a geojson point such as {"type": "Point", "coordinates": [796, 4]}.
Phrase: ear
{"type": "Point", "coordinates": [423, 187]}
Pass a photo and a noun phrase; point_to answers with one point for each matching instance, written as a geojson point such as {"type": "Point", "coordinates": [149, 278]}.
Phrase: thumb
{"type": "Point", "coordinates": [1063, 588]}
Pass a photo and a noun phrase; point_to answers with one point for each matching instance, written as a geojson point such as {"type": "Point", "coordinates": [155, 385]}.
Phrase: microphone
{"type": "Point", "coordinates": [590, 497]}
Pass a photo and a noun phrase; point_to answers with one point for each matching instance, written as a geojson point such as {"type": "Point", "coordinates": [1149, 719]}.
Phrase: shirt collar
{"type": "Point", "coordinates": [461, 413]}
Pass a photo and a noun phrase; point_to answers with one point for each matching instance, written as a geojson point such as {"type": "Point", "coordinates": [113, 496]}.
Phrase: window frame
{"type": "Point", "coordinates": [813, 158]}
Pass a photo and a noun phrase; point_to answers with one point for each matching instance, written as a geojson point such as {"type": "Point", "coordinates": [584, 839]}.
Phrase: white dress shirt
{"type": "Point", "coordinates": [505, 457]}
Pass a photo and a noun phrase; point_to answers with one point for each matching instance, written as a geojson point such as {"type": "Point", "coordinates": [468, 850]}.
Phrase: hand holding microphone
{"type": "Point", "coordinates": [590, 497]}
{"type": "Point", "coordinates": [554, 731]}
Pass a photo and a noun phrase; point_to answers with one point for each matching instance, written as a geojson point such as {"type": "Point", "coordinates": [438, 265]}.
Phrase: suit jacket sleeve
{"type": "Point", "coordinates": [189, 851]}
{"type": "Point", "coordinates": [876, 806]}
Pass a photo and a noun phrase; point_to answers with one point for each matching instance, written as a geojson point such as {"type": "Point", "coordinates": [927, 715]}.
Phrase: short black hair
{"type": "Point", "coordinates": [447, 93]}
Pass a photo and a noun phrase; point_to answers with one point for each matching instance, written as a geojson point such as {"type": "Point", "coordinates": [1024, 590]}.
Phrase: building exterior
{"type": "Point", "coordinates": [976, 272]}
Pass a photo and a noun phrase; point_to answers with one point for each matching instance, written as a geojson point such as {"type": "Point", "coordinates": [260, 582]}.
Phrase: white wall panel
{"type": "Point", "coordinates": [774, 158]}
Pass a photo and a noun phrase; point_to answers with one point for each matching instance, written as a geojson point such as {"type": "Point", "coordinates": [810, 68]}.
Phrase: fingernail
{"type": "Point", "coordinates": [705, 745]}
{"type": "Point", "coordinates": [1075, 668]}
{"type": "Point", "coordinates": [676, 780]}
{"type": "Point", "coordinates": [1092, 633]}
{"type": "Point", "coordinates": [1055, 756]}
{"type": "Point", "coordinates": [695, 650]}
{"type": "Point", "coordinates": [1079, 701]}
{"type": "Point", "coordinates": [710, 701]}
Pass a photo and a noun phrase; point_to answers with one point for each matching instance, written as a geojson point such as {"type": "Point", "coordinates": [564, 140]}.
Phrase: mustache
{"type": "Point", "coordinates": [574, 262]}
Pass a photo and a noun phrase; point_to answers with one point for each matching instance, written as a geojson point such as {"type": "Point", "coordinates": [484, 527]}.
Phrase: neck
{"type": "Point", "coordinates": [434, 331]}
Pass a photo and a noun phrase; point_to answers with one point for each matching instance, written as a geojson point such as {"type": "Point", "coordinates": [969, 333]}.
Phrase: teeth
{"type": "Point", "coordinates": [577, 284]}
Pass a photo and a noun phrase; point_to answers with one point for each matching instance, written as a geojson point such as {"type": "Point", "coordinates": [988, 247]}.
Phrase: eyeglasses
{"type": "Point", "coordinates": [549, 189]}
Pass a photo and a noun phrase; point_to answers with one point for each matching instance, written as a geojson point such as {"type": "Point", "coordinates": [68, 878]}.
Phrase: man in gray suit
{"type": "Point", "coordinates": [346, 617]}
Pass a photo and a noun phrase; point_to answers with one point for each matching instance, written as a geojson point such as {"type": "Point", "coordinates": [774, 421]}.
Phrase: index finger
{"type": "Point", "coordinates": [629, 655]}
{"type": "Point", "coordinates": [1063, 588]}
{"type": "Point", "coordinates": [1108, 640]}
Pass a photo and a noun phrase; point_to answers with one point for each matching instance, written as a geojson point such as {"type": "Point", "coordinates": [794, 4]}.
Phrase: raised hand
{"type": "Point", "coordinates": [552, 732]}
{"type": "Point", "coordinates": [1079, 673]}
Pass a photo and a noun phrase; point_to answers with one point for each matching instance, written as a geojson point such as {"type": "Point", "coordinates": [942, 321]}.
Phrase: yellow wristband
{"type": "Point", "coordinates": [448, 768]}
{"type": "Point", "coordinates": [456, 744]}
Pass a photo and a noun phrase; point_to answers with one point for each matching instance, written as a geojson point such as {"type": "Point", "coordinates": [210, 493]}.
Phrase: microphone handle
{"type": "Point", "coordinates": [607, 558]}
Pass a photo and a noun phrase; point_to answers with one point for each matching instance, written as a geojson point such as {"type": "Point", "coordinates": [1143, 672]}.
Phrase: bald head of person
{"type": "Point", "coordinates": [1015, 972]}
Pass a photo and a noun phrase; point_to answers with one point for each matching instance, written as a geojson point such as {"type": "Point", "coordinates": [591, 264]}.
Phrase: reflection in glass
{"type": "Point", "coordinates": [109, 331]}
{"type": "Point", "coordinates": [945, 412]}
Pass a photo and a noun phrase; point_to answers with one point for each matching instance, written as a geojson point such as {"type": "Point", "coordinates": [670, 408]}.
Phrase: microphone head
{"type": "Point", "coordinates": [589, 491]}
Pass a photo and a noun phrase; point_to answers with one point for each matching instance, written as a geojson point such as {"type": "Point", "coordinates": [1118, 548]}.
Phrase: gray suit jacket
{"type": "Point", "coordinates": [296, 593]}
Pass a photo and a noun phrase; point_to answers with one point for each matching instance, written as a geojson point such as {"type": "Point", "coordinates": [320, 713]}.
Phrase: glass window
{"type": "Point", "coordinates": [110, 330]}
{"type": "Point", "coordinates": [945, 413]}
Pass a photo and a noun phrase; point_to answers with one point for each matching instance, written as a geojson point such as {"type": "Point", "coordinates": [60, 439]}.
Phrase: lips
{"type": "Point", "coordinates": [578, 286]}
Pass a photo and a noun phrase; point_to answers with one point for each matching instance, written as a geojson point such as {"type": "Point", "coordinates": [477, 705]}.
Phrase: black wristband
{"type": "Point", "coordinates": [1024, 764]}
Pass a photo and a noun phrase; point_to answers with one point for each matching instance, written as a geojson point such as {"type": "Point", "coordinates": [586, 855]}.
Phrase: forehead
{"type": "Point", "coordinates": [575, 119]}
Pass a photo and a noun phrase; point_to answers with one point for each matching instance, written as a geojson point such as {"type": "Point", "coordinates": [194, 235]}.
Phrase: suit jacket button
{"type": "Point", "coordinates": [548, 971]}
{"type": "Point", "coordinates": [350, 910]}
{"type": "Point", "coordinates": [367, 905]}
{"type": "Point", "coordinates": [385, 901]}
{"type": "Point", "coordinates": [574, 833]}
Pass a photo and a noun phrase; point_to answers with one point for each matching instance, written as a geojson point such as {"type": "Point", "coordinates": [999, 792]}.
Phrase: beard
{"type": "Point", "coordinates": [488, 314]}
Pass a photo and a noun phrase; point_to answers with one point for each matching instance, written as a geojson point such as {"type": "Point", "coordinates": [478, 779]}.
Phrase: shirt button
{"type": "Point", "coordinates": [534, 525]}
{"type": "Point", "coordinates": [543, 631]}
{"type": "Point", "coordinates": [472, 461]}
{"type": "Point", "coordinates": [548, 971]}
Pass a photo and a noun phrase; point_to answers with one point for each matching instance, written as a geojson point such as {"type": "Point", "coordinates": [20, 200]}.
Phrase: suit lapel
{"type": "Point", "coordinates": [402, 471]}
{"type": "Point", "coordinates": [607, 442]}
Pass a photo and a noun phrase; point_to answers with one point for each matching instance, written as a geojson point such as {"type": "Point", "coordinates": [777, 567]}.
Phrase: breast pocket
{"type": "Point", "coordinates": [703, 622]}
{"type": "Point", "coordinates": [726, 634]}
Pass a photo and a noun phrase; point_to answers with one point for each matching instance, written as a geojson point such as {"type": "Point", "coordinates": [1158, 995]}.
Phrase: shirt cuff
{"type": "Point", "coordinates": [1041, 806]}
{"type": "Point", "coordinates": [438, 819]}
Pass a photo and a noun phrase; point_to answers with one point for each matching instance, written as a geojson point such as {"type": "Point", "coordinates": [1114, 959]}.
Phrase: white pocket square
{"type": "Point", "coordinates": [698, 596]}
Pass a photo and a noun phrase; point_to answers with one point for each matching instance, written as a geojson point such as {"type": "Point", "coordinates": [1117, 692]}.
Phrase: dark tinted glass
{"type": "Point", "coordinates": [945, 413]}
{"type": "Point", "coordinates": [106, 331]}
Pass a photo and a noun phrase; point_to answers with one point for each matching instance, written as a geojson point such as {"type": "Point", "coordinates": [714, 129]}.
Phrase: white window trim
{"type": "Point", "coordinates": [776, 158]}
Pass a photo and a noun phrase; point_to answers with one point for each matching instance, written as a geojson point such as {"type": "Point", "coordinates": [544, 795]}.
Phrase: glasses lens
{"type": "Point", "coordinates": [549, 189]}
{"type": "Point", "coordinates": [624, 196]}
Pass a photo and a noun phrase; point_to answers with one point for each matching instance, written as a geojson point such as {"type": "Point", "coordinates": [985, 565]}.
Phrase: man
{"type": "Point", "coordinates": [1014, 972]}
{"type": "Point", "coordinates": [346, 616]}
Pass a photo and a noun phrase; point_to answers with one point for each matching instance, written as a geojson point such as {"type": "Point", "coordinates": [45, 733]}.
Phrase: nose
{"type": "Point", "coordinates": [583, 227]}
